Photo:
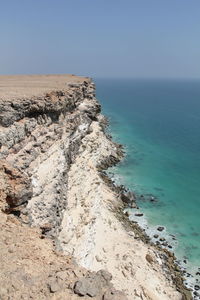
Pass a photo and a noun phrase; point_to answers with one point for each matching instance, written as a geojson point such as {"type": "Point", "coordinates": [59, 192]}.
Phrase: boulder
{"type": "Point", "coordinates": [85, 287]}
{"type": "Point", "coordinates": [93, 284]}
{"type": "Point", "coordinates": [18, 188]}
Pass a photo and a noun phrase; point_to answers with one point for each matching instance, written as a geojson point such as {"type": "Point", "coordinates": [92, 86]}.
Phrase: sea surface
{"type": "Point", "coordinates": [158, 122]}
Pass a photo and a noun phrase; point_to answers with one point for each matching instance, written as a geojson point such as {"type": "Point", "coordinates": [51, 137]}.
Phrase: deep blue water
{"type": "Point", "coordinates": [158, 121]}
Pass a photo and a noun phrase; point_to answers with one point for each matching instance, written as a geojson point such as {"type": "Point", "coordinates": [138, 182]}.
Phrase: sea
{"type": "Point", "coordinates": [158, 122]}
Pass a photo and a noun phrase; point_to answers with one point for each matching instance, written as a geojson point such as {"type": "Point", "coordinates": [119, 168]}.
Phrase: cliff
{"type": "Point", "coordinates": [56, 200]}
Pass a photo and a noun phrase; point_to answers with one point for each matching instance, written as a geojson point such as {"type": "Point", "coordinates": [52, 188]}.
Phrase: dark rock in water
{"type": "Point", "coordinates": [195, 234]}
{"type": "Point", "coordinates": [128, 197]}
{"type": "Point", "coordinates": [124, 198]}
{"type": "Point", "coordinates": [169, 246]}
{"type": "Point", "coordinates": [197, 287]}
{"type": "Point", "coordinates": [197, 273]}
{"type": "Point", "coordinates": [158, 189]}
{"type": "Point", "coordinates": [160, 228]}
{"type": "Point", "coordinates": [165, 244]}
{"type": "Point", "coordinates": [122, 188]}
{"type": "Point", "coordinates": [139, 215]}
{"type": "Point", "coordinates": [196, 294]}
{"type": "Point", "coordinates": [133, 205]}
{"type": "Point", "coordinates": [152, 199]}
{"type": "Point", "coordinates": [162, 239]}
{"type": "Point", "coordinates": [185, 261]}
{"type": "Point", "coordinates": [156, 236]}
{"type": "Point", "coordinates": [131, 196]}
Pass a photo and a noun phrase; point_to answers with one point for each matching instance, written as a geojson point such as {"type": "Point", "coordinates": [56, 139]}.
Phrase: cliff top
{"type": "Point", "coordinates": [22, 86]}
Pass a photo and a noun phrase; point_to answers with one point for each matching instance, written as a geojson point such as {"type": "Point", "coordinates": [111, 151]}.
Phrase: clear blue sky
{"type": "Point", "coordinates": [101, 38]}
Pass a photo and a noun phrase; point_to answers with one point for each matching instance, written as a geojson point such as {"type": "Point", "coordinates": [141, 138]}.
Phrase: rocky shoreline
{"type": "Point", "coordinates": [168, 257]}
{"type": "Point", "coordinates": [54, 151]}
{"type": "Point", "coordinates": [156, 237]}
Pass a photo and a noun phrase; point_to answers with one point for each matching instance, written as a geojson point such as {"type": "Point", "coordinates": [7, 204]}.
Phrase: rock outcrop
{"type": "Point", "coordinates": [53, 151]}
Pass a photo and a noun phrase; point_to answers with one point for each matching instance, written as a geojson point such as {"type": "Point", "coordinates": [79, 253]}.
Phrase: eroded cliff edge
{"type": "Point", "coordinates": [53, 150]}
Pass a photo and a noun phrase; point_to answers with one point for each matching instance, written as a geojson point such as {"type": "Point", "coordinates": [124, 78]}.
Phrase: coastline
{"type": "Point", "coordinates": [60, 148]}
{"type": "Point", "coordinates": [161, 239]}
{"type": "Point", "coordinates": [120, 212]}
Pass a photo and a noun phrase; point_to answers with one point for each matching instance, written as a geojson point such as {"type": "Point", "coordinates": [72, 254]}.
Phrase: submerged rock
{"type": "Point", "coordinates": [139, 214]}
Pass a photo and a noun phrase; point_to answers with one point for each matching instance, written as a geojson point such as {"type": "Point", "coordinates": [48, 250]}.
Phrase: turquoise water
{"type": "Point", "coordinates": [158, 121]}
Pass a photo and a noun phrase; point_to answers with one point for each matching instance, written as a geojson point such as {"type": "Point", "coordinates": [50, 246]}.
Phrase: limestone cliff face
{"type": "Point", "coordinates": [53, 150]}
{"type": "Point", "coordinates": [39, 139]}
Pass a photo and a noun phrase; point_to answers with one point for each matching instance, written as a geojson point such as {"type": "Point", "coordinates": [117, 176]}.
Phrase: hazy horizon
{"type": "Point", "coordinates": [101, 39]}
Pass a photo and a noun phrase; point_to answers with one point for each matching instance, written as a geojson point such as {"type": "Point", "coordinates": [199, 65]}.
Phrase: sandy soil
{"type": "Point", "coordinates": [23, 86]}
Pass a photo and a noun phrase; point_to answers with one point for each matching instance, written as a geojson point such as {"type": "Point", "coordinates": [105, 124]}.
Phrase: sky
{"type": "Point", "coordinates": [101, 38]}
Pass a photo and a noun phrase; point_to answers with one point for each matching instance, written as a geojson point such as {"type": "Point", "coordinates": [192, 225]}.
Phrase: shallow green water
{"type": "Point", "coordinates": [159, 124]}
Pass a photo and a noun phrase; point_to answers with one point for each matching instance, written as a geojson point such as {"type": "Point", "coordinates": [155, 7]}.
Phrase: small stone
{"type": "Point", "coordinates": [80, 289]}
{"type": "Point", "coordinates": [105, 275]}
{"type": "Point", "coordinates": [149, 258]}
{"type": "Point", "coordinates": [98, 259]}
{"type": "Point", "coordinates": [131, 233]}
{"type": "Point", "coordinates": [54, 287]}
{"type": "Point", "coordinates": [62, 275]}
{"type": "Point", "coordinates": [127, 213]}
{"type": "Point", "coordinates": [114, 295]}
{"type": "Point", "coordinates": [156, 236]}
{"type": "Point", "coordinates": [45, 227]}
